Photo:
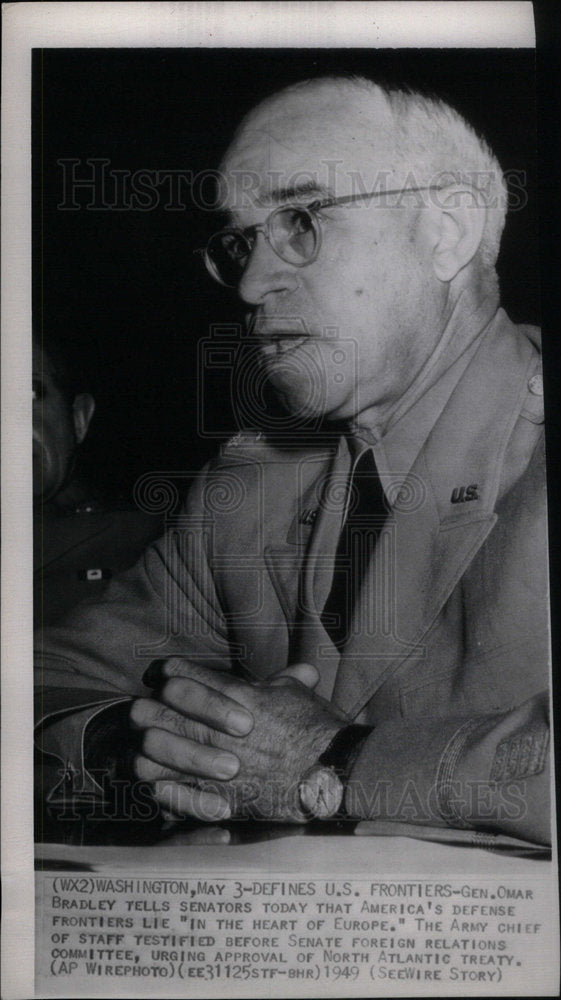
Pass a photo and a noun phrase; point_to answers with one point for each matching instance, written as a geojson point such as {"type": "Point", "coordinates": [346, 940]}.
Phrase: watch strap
{"type": "Point", "coordinates": [342, 753]}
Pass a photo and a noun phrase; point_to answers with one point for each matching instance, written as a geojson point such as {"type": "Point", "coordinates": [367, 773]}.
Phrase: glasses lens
{"type": "Point", "coordinates": [228, 252]}
{"type": "Point", "coordinates": [293, 234]}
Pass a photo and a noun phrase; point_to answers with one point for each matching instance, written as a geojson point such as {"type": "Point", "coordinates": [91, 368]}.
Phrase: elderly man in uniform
{"type": "Point", "coordinates": [360, 624]}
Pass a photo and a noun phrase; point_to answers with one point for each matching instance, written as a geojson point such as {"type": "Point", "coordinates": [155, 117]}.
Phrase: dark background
{"type": "Point", "coordinates": [122, 288]}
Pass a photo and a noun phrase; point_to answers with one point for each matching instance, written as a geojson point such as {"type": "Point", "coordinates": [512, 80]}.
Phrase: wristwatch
{"type": "Point", "coordinates": [322, 787]}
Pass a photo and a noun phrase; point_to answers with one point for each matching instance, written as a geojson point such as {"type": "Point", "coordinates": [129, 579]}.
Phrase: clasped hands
{"type": "Point", "coordinates": [216, 747]}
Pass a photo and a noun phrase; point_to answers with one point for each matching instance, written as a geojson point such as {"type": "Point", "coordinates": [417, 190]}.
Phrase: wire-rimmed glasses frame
{"type": "Point", "coordinates": [293, 232]}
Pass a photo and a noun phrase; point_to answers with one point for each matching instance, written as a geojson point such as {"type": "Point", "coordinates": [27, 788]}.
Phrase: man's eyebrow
{"type": "Point", "coordinates": [279, 195]}
{"type": "Point", "coordinates": [282, 195]}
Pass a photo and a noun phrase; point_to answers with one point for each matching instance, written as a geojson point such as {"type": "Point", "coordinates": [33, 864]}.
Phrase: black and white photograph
{"type": "Point", "coordinates": [287, 507]}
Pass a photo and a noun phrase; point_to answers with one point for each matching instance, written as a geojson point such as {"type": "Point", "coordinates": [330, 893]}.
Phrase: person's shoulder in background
{"type": "Point", "coordinates": [79, 549]}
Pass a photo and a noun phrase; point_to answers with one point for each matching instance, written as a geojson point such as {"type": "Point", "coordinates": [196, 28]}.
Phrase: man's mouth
{"type": "Point", "coordinates": [277, 335]}
{"type": "Point", "coordinates": [281, 343]}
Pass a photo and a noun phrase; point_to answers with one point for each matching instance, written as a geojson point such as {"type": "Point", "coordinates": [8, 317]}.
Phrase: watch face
{"type": "Point", "coordinates": [321, 792]}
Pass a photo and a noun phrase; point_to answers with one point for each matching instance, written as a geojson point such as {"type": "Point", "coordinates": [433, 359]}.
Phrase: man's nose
{"type": "Point", "coordinates": [265, 272]}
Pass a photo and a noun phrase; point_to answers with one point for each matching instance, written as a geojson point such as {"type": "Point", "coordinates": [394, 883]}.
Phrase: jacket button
{"type": "Point", "coordinates": [535, 385]}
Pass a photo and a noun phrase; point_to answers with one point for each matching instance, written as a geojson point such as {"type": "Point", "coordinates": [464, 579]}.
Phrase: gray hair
{"type": "Point", "coordinates": [434, 145]}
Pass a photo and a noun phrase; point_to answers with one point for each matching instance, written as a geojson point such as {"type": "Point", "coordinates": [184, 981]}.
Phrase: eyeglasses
{"type": "Point", "coordinates": [293, 232]}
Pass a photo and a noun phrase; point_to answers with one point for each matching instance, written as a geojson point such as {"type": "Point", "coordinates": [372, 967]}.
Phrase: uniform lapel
{"type": "Point", "coordinates": [417, 563]}
{"type": "Point", "coordinates": [312, 641]}
{"type": "Point", "coordinates": [317, 519]}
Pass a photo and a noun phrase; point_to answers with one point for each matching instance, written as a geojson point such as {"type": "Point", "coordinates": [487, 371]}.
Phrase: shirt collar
{"type": "Point", "coordinates": [419, 408]}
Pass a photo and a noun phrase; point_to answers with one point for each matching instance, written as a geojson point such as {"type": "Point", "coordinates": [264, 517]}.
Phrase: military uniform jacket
{"type": "Point", "coordinates": [448, 659]}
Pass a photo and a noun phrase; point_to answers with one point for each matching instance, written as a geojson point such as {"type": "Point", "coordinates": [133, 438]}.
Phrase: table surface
{"type": "Point", "coordinates": [309, 855]}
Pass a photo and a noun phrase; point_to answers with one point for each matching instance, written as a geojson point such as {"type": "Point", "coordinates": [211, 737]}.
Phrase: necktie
{"type": "Point", "coordinates": [367, 512]}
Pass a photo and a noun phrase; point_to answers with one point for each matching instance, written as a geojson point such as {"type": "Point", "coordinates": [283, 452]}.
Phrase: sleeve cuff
{"type": "Point", "coordinates": [489, 772]}
{"type": "Point", "coordinates": [61, 736]}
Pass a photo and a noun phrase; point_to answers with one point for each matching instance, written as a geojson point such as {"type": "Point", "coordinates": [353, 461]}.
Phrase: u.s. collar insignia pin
{"type": "Point", "coordinates": [94, 573]}
{"type": "Point", "coordinates": [308, 516]}
{"type": "Point", "coordinates": [463, 494]}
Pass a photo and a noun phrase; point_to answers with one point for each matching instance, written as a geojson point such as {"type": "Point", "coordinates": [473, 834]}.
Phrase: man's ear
{"type": "Point", "coordinates": [457, 224]}
{"type": "Point", "coordinates": [82, 412]}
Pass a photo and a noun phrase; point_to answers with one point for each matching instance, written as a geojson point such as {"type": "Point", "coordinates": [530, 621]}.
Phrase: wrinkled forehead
{"type": "Point", "coordinates": [305, 142]}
